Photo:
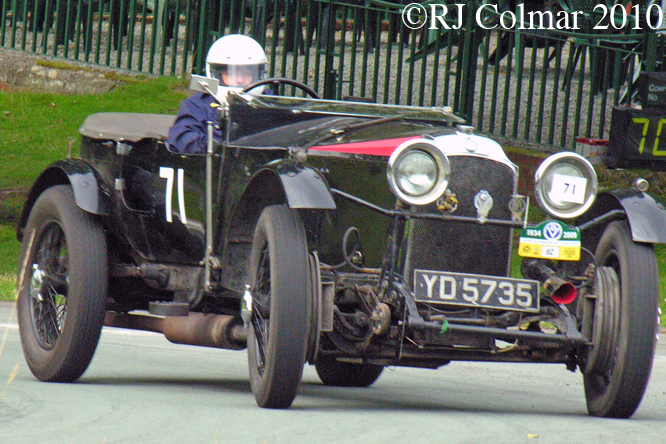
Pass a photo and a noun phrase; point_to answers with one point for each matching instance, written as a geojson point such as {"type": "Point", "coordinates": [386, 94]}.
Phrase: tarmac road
{"type": "Point", "coordinates": [142, 389]}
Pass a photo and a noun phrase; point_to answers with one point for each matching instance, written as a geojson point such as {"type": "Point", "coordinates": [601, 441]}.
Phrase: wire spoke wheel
{"type": "Point", "coordinates": [261, 309]}
{"type": "Point", "coordinates": [279, 326]}
{"type": "Point", "coordinates": [62, 287]}
{"type": "Point", "coordinates": [48, 285]}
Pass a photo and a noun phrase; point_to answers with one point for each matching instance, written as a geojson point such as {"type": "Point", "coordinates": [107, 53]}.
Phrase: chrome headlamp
{"type": "Point", "coordinates": [565, 185]}
{"type": "Point", "coordinates": [418, 172]}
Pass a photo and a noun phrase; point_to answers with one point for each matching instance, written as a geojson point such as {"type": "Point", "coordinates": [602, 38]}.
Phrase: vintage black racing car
{"type": "Point", "coordinates": [351, 236]}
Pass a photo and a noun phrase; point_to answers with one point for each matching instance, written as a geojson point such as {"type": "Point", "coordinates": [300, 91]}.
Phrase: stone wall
{"type": "Point", "coordinates": [23, 70]}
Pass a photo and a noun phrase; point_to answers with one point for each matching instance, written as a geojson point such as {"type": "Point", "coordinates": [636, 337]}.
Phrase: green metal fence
{"type": "Point", "coordinates": [547, 87]}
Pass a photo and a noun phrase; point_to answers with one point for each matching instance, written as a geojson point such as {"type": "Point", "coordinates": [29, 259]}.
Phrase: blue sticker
{"type": "Point", "coordinates": [552, 231]}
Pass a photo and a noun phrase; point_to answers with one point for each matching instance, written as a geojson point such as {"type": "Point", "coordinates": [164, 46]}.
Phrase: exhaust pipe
{"type": "Point", "coordinates": [203, 329]}
{"type": "Point", "coordinates": [560, 291]}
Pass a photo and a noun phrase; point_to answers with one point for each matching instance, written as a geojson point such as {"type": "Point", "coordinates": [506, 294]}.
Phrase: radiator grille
{"type": "Point", "coordinates": [464, 247]}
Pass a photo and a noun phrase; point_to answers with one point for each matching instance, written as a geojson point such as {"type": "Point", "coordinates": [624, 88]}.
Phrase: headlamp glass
{"type": "Point", "coordinates": [416, 173]}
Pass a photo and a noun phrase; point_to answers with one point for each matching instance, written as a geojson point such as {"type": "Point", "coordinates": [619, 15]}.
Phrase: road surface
{"type": "Point", "coordinates": [140, 388]}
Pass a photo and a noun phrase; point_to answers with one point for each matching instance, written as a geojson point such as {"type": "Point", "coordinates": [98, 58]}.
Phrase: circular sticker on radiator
{"type": "Point", "coordinates": [552, 231]}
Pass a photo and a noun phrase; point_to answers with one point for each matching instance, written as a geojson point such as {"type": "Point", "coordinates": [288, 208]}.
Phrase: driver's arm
{"type": "Point", "coordinates": [189, 132]}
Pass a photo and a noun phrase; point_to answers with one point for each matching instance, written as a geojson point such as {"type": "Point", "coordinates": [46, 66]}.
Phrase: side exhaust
{"type": "Point", "coordinates": [206, 330]}
{"type": "Point", "coordinates": [560, 291]}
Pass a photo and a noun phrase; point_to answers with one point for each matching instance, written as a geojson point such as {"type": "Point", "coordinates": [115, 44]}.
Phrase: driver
{"type": "Point", "coordinates": [236, 61]}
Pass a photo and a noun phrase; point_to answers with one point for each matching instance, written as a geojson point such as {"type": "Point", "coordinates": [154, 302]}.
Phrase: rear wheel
{"type": "Point", "coordinates": [279, 325]}
{"type": "Point", "coordinates": [62, 287]}
{"type": "Point", "coordinates": [618, 364]}
{"type": "Point", "coordinates": [347, 374]}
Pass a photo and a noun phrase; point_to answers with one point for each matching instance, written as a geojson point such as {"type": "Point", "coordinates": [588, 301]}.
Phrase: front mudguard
{"type": "Point", "coordinates": [646, 216]}
{"type": "Point", "coordinates": [84, 180]}
{"type": "Point", "coordinates": [280, 182]}
{"type": "Point", "coordinates": [285, 181]}
{"type": "Point", "coordinates": [304, 187]}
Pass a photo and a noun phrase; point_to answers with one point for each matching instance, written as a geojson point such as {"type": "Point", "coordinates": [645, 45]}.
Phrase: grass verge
{"type": "Point", "coordinates": [39, 128]}
{"type": "Point", "coordinates": [9, 254]}
{"type": "Point", "coordinates": [8, 287]}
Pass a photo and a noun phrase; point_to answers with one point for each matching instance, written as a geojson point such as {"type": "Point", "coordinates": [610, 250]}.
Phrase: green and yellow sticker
{"type": "Point", "coordinates": [550, 240]}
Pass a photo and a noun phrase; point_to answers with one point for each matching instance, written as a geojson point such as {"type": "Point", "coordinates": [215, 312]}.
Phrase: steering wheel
{"type": "Point", "coordinates": [277, 81]}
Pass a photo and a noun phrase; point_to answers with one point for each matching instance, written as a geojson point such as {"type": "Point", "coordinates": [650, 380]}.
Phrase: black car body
{"type": "Point", "coordinates": [352, 236]}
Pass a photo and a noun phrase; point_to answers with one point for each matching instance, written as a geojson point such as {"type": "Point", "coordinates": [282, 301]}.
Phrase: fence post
{"type": "Point", "coordinates": [205, 28]}
{"type": "Point", "coordinates": [650, 53]}
{"type": "Point", "coordinates": [469, 50]}
{"type": "Point", "coordinates": [259, 14]}
{"type": "Point", "coordinates": [330, 74]}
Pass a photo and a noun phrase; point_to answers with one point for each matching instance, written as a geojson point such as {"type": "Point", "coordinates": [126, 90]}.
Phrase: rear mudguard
{"type": "Point", "coordinates": [88, 192]}
{"type": "Point", "coordinates": [646, 216]}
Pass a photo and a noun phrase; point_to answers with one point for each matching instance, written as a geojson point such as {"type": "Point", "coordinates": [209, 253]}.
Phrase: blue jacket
{"type": "Point", "coordinates": [189, 132]}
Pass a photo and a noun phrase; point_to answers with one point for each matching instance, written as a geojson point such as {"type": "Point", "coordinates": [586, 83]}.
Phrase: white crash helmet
{"type": "Point", "coordinates": [236, 61]}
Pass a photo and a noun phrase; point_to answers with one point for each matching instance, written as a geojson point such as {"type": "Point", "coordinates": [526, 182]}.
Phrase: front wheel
{"type": "Point", "coordinates": [617, 366]}
{"type": "Point", "coordinates": [279, 325]}
{"type": "Point", "coordinates": [62, 287]}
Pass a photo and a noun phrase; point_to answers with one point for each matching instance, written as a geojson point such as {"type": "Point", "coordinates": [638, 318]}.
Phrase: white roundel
{"type": "Point", "coordinates": [552, 231]}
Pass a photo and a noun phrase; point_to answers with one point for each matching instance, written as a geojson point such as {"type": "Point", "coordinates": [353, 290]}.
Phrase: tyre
{"type": "Point", "coordinates": [62, 287]}
{"type": "Point", "coordinates": [624, 324]}
{"type": "Point", "coordinates": [279, 325]}
{"type": "Point", "coordinates": [347, 374]}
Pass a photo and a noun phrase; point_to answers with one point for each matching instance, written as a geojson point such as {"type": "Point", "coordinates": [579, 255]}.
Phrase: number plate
{"type": "Point", "coordinates": [475, 290]}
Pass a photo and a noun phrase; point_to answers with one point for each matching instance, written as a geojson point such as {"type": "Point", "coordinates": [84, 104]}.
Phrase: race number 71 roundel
{"type": "Point", "coordinates": [550, 240]}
